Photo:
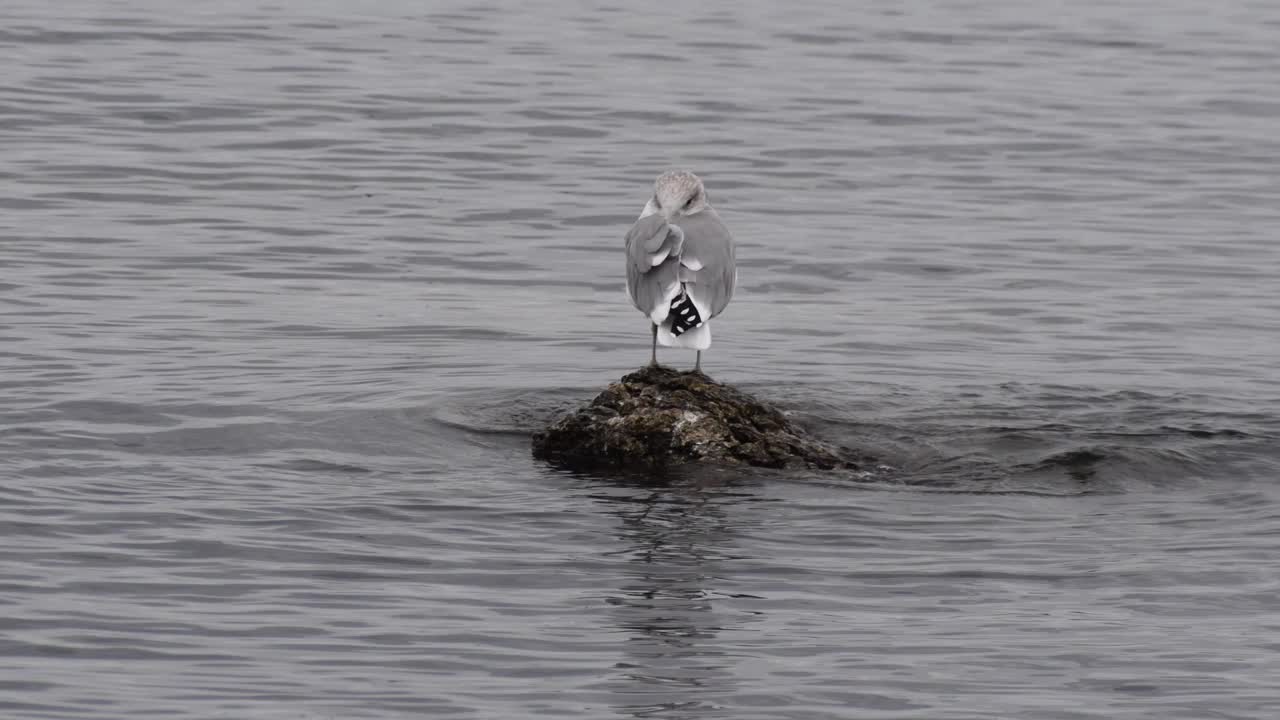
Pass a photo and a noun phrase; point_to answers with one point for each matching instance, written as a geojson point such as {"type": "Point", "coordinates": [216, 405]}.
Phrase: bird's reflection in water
{"type": "Point", "coordinates": [672, 604]}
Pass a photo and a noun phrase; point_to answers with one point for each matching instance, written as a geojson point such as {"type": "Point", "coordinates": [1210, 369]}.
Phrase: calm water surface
{"type": "Point", "coordinates": [284, 289]}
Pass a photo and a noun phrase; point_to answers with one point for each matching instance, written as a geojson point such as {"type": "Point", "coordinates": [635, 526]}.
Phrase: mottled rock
{"type": "Point", "coordinates": [658, 416]}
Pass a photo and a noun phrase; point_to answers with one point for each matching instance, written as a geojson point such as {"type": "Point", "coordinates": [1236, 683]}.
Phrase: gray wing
{"type": "Point", "coordinates": [653, 249]}
{"type": "Point", "coordinates": [707, 260]}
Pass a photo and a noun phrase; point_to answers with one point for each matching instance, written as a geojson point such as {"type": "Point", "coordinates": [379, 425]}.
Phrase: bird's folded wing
{"type": "Point", "coordinates": [647, 234]}
{"type": "Point", "coordinates": [652, 248]}
{"type": "Point", "coordinates": [707, 263]}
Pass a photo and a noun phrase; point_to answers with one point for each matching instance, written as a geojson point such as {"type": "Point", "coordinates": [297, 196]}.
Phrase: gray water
{"type": "Point", "coordinates": [285, 289]}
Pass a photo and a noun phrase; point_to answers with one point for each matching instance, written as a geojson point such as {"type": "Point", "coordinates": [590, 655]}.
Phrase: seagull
{"type": "Point", "coordinates": [680, 264]}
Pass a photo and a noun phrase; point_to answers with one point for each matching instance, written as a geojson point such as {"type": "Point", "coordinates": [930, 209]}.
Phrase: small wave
{"type": "Point", "coordinates": [506, 411]}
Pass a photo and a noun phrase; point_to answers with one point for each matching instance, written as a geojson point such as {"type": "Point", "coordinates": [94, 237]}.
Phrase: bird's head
{"type": "Point", "coordinates": [678, 193]}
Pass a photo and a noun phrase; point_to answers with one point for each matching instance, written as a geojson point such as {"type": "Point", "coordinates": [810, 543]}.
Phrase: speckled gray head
{"type": "Point", "coordinates": [676, 193]}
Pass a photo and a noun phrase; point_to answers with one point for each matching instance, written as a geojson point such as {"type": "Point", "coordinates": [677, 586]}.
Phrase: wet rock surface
{"type": "Point", "coordinates": [658, 416]}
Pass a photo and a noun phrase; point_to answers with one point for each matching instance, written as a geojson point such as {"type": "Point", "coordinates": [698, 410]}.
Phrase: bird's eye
{"type": "Point", "coordinates": [690, 203]}
{"type": "Point", "coordinates": [656, 202]}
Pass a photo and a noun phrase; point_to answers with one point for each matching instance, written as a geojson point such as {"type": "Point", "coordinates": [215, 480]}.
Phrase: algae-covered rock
{"type": "Point", "coordinates": [657, 416]}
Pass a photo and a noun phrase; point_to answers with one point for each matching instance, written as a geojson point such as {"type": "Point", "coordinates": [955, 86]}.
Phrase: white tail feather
{"type": "Point", "coordinates": [698, 338]}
